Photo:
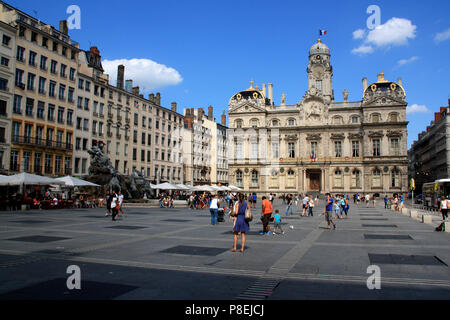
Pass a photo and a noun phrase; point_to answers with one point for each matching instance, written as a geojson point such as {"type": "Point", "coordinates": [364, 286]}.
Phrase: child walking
{"type": "Point", "coordinates": [277, 222]}
{"type": "Point", "coordinates": [336, 209]}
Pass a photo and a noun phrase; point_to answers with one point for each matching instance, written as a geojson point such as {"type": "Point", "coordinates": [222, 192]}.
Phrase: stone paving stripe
{"type": "Point", "coordinates": [376, 258]}
{"type": "Point", "coordinates": [38, 239]}
{"type": "Point", "coordinates": [197, 251]}
{"type": "Point", "coordinates": [379, 225]}
{"type": "Point", "coordinates": [56, 289]}
{"type": "Point", "coordinates": [388, 236]}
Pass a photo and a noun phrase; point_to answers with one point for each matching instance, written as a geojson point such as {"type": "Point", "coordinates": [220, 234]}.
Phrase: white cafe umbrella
{"type": "Point", "coordinates": [225, 188]}
{"type": "Point", "coordinates": [234, 188]}
{"type": "Point", "coordinates": [75, 182]}
{"type": "Point", "coordinates": [29, 179]}
{"type": "Point", "coordinates": [183, 187]}
{"type": "Point", "coordinates": [205, 188]}
{"type": "Point", "coordinates": [166, 186]}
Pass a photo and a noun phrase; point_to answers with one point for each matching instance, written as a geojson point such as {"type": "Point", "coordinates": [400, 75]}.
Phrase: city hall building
{"type": "Point", "coordinates": [319, 144]}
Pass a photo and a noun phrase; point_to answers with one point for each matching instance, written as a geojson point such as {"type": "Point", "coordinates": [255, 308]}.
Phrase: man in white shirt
{"type": "Point", "coordinates": [120, 200]}
{"type": "Point", "coordinates": [214, 209]}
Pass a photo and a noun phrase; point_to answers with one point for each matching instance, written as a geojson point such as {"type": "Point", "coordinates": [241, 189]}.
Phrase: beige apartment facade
{"type": "Point", "coordinates": [7, 62]}
{"type": "Point", "coordinates": [44, 90]}
{"type": "Point", "coordinates": [136, 133]}
{"type": "Point", "coordinates": [320, 145]}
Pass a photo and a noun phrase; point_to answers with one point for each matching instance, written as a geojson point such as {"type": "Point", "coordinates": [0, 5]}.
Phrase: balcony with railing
{"type": "Point", "coordinates": [39, 142]}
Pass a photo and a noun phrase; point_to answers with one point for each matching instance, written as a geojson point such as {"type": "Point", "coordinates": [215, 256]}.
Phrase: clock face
{"type": "Point", "coordinates": [318, 57]}
{"type": "Point", "coordinates": [318, 72]}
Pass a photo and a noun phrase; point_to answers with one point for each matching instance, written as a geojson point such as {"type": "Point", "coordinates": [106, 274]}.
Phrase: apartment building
{"type": "Point", "coordinates": [42, 119]}
{"type": "Point", "coordinates": [136, 133]}
{"type": "Point", "coordinates": [7, 58]}
{"type": "Point", "coordinates": [205, 148]}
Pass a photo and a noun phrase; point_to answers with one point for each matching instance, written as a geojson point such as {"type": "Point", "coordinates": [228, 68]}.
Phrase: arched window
{"type": "Point", "coordinates": [275, 123]}
{"type": "Point", "coordinates": [239, 178]}
{"type": "Point", "coordinates": [338, 120]}
{"type": "Point", "coordinates": [376, 178]}
{"type": "Point", "coordinates": [395, 178]}
{"type": "Point", "coordinates": [376, 117]}
{"type": "Point", "coordinates": [254, 123]}
{"type": "Point", "coordinates": [338, 181]}
{"type": "Point", "coordinates": [393, 117]}
{"type": "Point", "coordinates": [356, 178]}
{"type": "Point", "coordinates": [255, 178]}
{"type": "Point", "coordinates": [291, 122]}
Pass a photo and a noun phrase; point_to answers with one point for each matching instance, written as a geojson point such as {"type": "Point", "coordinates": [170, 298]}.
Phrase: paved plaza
{"type": "Point", "coordinates": [176, 254]}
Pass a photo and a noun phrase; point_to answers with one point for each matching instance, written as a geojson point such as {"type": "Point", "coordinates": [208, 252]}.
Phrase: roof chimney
{"type": "Point", "coordinates": [136, 91]}
{"type": "Point", "coordinates": [437, 116]}
{"type": "Point", "coordinates": [224, 119]}
{"type": "Point", "coordinates": [63, 27]}
{"type": "Point", "coordinates": [174, 107]}
{"type": "Point", "coordinates": [271, 93]}
{"type": "Point", "coordinates": [151, 97]}
{"type": "Point", "coordinates": [210, 113]}
{"type": "Point", "coordinates": [120, 76]}
{"type": "Point", "coordinates": [364, 81]}
{"type": "Point", "coordinates": [158, 98]}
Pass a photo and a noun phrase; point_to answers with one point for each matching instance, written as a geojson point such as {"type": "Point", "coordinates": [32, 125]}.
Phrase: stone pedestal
{"type": "Point", "coordinates": [426, 218]}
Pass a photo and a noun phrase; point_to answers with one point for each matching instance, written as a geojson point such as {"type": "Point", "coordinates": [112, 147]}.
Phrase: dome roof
{"type": "Point", "coordinates": [385, 85]}
{"type": "Point", "coordinates": [319, 48]}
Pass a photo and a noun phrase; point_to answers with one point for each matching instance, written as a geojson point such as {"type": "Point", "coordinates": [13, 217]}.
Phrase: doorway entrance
{"type": "Point", "coordinates": [314, 177]}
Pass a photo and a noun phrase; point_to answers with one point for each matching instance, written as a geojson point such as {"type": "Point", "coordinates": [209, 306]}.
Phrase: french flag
{"type": "Point", "coordinates": [322, 32]}
{"type": "Point", "coordinates": [314, 158]}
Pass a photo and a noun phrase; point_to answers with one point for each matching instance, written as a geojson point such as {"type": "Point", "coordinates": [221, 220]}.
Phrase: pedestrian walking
{"type": "Point", "coordinates": [385, 201]}
{"type": "Point", "coordinates": [214, 210]}
{"type": "Point", "coordinates": [120, 199]}
{"type": "Point", "coordinates": [241, 225]}
{"type": "Point", "coordinates": [310, 207]}
{"type": "Point", "coordinates": [254, 198]}
{"type": "Point", "coordinates": [328, 211]}
{"type": "Point", "coordinates": [367, 200]}
{"type": "Point", "coordinates": [337, 208]}
{"type": "Point", "coordinates": [266, 213]}
{"type": "Point", "coordinates": [277, 222]}
{"type": "Point", "coordinates": [289, 201]}
{"type": "Point", "coordinates": [347, 206]}
{"type": "Point", "coordinates": [444, 208]}
{"type": "Point", "coordinates": [305, 202]}
{"type": "Point", "coordinates": [114, 204]}
{"type": "Point", "coordinates": [108, 203]}
{"type": "Point", "coordinates": [374, 199]}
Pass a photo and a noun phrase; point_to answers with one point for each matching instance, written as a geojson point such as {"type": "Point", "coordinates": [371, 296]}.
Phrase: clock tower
{"type": "Point", "coordinates": [320, 71]}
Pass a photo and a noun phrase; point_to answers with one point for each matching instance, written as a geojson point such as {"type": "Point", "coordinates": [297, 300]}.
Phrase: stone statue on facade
{"type": "Point", "coordinates": [345, 94]}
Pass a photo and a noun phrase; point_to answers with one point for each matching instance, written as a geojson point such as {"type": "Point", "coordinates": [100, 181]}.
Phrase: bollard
{"type": "Point", "coordinates": [405, 211]}
{"type": "Point", "coordinates": [414, 214]}
{"type": "Point", "coordinates": [447, 226]}
{"type": "Point", "coordinates": [426, 218]}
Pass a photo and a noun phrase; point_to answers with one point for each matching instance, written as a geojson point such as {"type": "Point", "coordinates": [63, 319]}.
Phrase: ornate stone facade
{"type": "Point", "coordinates": [319, 144]}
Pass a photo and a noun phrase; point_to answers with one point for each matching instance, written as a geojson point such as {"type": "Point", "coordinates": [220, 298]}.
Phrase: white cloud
{"type": "Point", "coordinates": [406, 61]}
{"type": "Point", "coordinates": [442, 36]}
{"type": "Point", "coordinates": [396, 31]}
{"type": "Point", "coordinates": [359, 34]}
{"type": "Point", "coordinates": [362, 50]}
{"type": "Point", "coordinates": [145, 73]}
{"type": "Point", "coordinates": [415, 108]}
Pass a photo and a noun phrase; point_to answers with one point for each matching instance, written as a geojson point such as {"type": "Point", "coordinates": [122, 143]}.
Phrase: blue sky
{"type": "Point", "coordinates": [200, 53]}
